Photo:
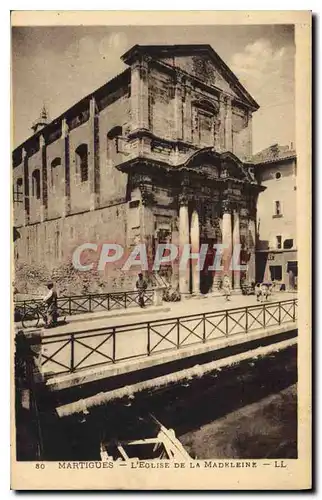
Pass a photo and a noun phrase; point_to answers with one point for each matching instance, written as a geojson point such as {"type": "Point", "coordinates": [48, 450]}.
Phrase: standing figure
{"type": "Point", "coordinates": [51, 305]}
{"type": "Point", "coordinates": [258, 292]}
{"type": "Point", "coordinates": [226, 286]}
{"type": "Point", "coordinates": [141, 286]}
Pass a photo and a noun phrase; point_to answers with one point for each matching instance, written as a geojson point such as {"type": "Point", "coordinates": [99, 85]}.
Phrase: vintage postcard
{"type": "Point", "coordinates": [161, 227]}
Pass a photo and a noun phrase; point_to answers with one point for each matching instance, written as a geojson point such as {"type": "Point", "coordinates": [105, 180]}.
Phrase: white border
{"type": "Point", "coordinates": [5, 177]}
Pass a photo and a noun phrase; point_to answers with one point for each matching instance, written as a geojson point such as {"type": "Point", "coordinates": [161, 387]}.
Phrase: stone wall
{"type": "Point", "coordinates": [112, 182]}
{"type": "Point", "coordinates": [161, 115]}
{"type": "Point", "coordinates": [44, 251]}
{"type": "Point", "coordinates": [18, 198]}
{"type": "Point", "coordinates": [56, 179]}
{"type": "Point", "coordinates": [241, 133]}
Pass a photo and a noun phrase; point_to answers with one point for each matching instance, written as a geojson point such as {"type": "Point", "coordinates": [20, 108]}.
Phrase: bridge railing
{"type": "Point", "coordinates": [80, 304]}
{"type": "Point", "coordinates": [70, 352]}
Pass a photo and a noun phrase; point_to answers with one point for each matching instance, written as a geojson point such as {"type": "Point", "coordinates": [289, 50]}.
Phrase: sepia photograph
{"type": "Point", "coordinates": [155, 256]}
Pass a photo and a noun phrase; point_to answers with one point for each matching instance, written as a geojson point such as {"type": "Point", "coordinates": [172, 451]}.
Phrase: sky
{"type": "Point", "coordinates": [57, 66]}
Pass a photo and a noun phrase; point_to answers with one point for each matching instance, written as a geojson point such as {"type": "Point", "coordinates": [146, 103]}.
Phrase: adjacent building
{"type": "Point", "coordinates": [276, 255]}
{"type": "Point", "coordinates": [157, 154]}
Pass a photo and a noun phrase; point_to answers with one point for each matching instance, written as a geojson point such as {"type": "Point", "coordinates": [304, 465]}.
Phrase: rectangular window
{"type": "Point", "coordinates": [288, 244]}
{"type": "Point", "coordinates": [276, 273]}
{"type": "Point", "coordinates": [279, 241]}
{"type": "Point", "coordinates": [277, 209]}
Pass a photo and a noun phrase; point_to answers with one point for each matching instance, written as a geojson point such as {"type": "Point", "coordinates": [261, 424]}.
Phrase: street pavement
{"type": "Point", "coordinates": [192, 305]}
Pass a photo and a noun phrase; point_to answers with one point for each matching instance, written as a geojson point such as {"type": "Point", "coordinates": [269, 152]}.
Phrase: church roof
{"type": "Point", "coordinates": [153, 51]}
{"type": "Point", "coordinates": [194, 49]}
{"type": "Point", "coordinates": [273, 154]}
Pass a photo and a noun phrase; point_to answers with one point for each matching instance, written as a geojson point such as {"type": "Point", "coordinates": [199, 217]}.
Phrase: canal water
{"type": "Point", "coordinates": [247, 410]}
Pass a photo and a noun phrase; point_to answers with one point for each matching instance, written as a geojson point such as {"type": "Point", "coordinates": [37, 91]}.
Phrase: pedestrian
{"type": "Point", "coordinates": [141, 286]}
{"type": "Point", "coordinates": [258, 292]}
{"type": "Point", "coordinates": [226, 286]}
{"type": "Point", "coordinates": [50, 300]}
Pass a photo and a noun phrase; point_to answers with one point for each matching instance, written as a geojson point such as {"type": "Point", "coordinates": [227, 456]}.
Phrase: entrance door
{"type": "Point", "coordinates": [292, 274]}
{"type": "Point", "coordinates": [206, 276]}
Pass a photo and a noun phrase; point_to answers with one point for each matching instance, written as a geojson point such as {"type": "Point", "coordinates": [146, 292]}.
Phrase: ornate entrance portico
{"type": "Point", "coordinates": [210, 199]}
{"type": "Point", "coordinates": [217, 205]}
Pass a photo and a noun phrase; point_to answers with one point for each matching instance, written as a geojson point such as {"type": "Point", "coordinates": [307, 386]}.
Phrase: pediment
{"type": "Point", "coordinates": [199, 60]}
{"type": "Point", "coordinates": [213, 73]}
{"type": "Point", "coordinates": [203, 68]}
{"type": "Point", "coordinates": [218, 166]}
{"type": "Point", "coordinates": [232, 167]}
{"type": "Point", "coordinates": [234, 171]}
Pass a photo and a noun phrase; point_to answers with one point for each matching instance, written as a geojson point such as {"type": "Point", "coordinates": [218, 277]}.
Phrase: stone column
{"type": "Point", "coordinates": [187, 114]}
{"type": "Point", "coordinates": [93, 163]}
{"type": "Point", "coordinates": [26, 187]}
{"type": "Point", "coordinates": [220, 139]}
{"type": "Point", "coordinates": [178, 108]}
{"type": "Point", "coordinates": [184, 274]}
{"type": "Point", "coordinates": [227, 238]}
{"type": "Point", "coordinates": [251, 245]}
{"type": "Point", "coordinates": [216, 223]}
{"type": "Point", "coordinates": [66, 164]}
{"type": "Point", "coordinates": [175, 241]}
{"type": "Point", "coordinates": [228, 126]}
{"type": "Point", "coordinates": [135, 95]}
{"type": "Point", "coordinates": [145, 93]}
{"type": "Point", "coordinates": [147, 222]}
{"type": "Point", "coordinates": [236, 241]}
{"type": "Point", "coordinates": [195, 246]}
{"type": "Point", "coordinates": [140, 95]}
{"type": "Point", "coordinates": [44, 177]}
{"type": "Point", "coordinates": [251, 240]}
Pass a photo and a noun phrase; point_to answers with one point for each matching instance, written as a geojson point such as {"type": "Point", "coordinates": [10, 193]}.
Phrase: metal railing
{"type": "Point", "coordinates": [80, 304]}
{"type": "Point", "coordinates": [67, 353]}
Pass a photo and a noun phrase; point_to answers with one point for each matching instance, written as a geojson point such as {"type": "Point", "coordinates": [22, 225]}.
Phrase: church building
{"type": "Point", "coordinates": [160, 153]}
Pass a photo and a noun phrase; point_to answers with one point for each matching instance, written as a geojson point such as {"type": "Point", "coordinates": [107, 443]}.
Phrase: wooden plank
{"type": "Point", "coordinates": [122, 452]}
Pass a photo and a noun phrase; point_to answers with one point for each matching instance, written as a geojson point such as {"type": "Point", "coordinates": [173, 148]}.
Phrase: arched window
{"type": "Point", "coordinates": [82, 162]}
{"type": "Point", "coordinates": [35, 180]}
{"type": "Point", "coordinates": [206, 105]}
{"type": "Point", "coordinates": [55, 172]}
{"type": "Point", "coordinates": [113, 141]}
{"type": "Point", "coordinates": [18, 192]}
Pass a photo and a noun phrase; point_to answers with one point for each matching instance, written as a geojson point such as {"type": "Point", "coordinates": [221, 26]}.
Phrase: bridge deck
{"type": "Point", "coordinates": [217, 348]}
{"type": "Point", "coordinates": [74, 349]}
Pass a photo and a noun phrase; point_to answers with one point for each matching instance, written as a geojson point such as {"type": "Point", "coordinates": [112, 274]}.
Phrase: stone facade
{"type": "Point", "coordinates": [155, 155]}
{"type": "Point", "coordinates": [276, 216]}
